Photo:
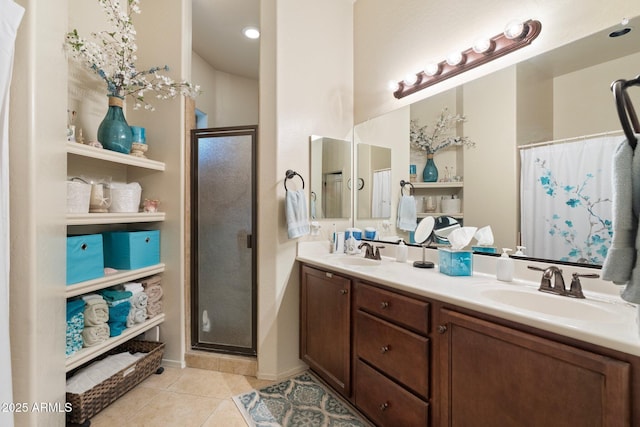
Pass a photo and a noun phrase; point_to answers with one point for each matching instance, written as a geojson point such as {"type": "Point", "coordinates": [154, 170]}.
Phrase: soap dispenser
{"type": "Point", "coordinates": [504, 266]}
{"type": "Point", "coordinates": [520, 250]}
{"type": "Point", "coordinates": [401, 252]}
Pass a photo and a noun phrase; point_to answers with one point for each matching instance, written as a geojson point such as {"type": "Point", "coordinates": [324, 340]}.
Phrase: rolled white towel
{"type": "Point", "coordinates": [139, 300]}
{"type": "Point", "coordinates": [96, 312]}
{"type": "Point", "coordinates": [94, 335]}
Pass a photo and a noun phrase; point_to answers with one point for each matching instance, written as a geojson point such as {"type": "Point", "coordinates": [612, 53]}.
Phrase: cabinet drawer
{"type": "Point", "coordinates": [385, 402]}
{"type": "Point", "coordinates": [397, 352]}
{"type": "Point", "coordinates": [406, 311]}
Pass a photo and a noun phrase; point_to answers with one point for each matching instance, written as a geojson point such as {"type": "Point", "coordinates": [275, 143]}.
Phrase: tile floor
{"type": "Point", "coordinates": [180, 397]}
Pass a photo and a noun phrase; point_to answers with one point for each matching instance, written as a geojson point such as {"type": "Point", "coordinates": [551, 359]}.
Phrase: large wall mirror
{"type": "Point", "coordinates": [545, 130]}
{"type": "Point", "coordinates": [330, 194]}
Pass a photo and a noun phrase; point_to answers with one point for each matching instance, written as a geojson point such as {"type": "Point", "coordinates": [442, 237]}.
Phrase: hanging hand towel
{"type": "Point", "coordinates": [407, 216]}
{"type": "Point", "coordinates": [296, 211]}
{"type": "Point", "coordinates": [620, 256]}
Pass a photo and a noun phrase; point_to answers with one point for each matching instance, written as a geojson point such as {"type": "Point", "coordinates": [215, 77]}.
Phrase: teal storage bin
{"type": "Point", "coordinates": [129, 250]}
{"type": "Point", "coordinates": [455, 263]}
{"type": "Point", "coordinates": [84, 258]}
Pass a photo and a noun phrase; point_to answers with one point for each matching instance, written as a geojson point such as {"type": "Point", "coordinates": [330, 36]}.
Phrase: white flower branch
{"type": "Point", "coordinates": [112, 56]}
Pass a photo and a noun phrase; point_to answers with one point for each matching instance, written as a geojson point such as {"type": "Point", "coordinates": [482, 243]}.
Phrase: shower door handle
{"type": "Point", "coordinates": [249, 241]}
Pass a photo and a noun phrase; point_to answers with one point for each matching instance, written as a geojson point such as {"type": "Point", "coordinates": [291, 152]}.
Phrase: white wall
{"type": "Point", "coordinates": [306, 88]}
{"type": "Point", "coordinates": [394, 38]}
{"type": "Point", "coordinates": [228, 100]}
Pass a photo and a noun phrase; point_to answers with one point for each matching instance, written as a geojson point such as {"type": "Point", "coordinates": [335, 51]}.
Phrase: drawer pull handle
{"type": "Point", "coordinates": [384, 406]}
{"type": "Point", "coordinates": [384, 349]}
{"type": "Point", "coordinates": [329, 275]}
{"type": "Point", "coordinates": [384, 304]}
{"type": "Point", "coordinates": [344, 291]}
{"type": "Point", "coordinates": [442, 329]}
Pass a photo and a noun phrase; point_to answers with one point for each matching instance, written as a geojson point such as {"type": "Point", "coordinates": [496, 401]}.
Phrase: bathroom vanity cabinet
{"type": "Point", "coordinates": [501, 375]}
{"type": "Point", "coordinates": [392, 363]}
{"type": "Point", "coordinates": [325, 326]}
{"type": "Point", "coordinates": [416, 361]}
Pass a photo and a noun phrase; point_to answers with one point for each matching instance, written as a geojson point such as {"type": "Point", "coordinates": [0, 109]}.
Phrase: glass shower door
{"type": "Point", "coordinates": [223, 256]}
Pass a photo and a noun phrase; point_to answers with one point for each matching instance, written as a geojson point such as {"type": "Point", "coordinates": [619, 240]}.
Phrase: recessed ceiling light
{"type": "Point", "coordinates": [251, 32]}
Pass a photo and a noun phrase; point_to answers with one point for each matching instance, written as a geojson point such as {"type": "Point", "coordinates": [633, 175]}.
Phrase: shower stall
{"type": "Point", "coordinates": [223, 244]}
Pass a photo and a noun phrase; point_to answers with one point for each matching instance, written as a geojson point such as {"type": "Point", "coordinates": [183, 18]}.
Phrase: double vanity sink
{"type": "Point", "coordinates": [601, 319]}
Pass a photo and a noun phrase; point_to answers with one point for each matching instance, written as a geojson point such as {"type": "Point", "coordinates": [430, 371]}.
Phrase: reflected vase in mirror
{"type": "Point", "coordinates": [430, 171]}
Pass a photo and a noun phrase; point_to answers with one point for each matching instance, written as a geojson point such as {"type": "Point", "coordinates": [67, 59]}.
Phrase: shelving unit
{"type": "Point", "coordinates": [111, 156]}
{"type": "Point", "coordinates": [96, 219]}
{"type": "Point", "coordinates": [113, 218]}
{"type": "Point", "coordinates": [438, 189]}
{"type": "Point", "coordinates": [88, 353]}
{"type": "Point", "coordinates": [111, 280]}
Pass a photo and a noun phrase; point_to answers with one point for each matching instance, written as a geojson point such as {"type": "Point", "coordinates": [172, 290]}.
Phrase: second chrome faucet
{"type": "Point", "coordinates": [557, 286]}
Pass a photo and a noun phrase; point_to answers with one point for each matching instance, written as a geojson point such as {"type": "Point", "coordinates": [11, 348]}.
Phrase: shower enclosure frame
{"type": "Point", "coordinates": [251, 240]}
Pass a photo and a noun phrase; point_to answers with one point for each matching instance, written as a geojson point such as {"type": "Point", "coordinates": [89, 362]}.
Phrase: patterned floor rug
{"type": "Point", "coordinates": [302, 401]}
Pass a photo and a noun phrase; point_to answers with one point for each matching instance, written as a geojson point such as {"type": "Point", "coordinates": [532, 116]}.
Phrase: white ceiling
{"type": "Point", "coordinates": [217, 35]}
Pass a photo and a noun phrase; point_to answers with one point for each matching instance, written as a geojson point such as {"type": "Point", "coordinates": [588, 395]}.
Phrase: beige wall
{"type": "Point", "coordinates": [575, 114]}
{"type": "Point", "coordinates": [394, 38]}
{"type": "Point", "coordinates": [306, 88]}
{"type": "Point", "coordinates": [227, 100]}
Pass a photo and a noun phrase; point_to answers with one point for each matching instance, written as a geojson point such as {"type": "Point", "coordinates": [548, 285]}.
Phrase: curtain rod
{"type": "Point", "coordinates": [575, 138]}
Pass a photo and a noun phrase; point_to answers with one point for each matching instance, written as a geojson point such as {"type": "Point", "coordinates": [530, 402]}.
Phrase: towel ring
{"type": "Point", "coordinates": [289, 174]}
{"type": "Point", "coordinates": [626, 112]}
{"type": "Point", "coordinates": [402, 184]}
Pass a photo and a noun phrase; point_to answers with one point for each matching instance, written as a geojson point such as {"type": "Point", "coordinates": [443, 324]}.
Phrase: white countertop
{"type": "Point", "coordinates": [602, 318]}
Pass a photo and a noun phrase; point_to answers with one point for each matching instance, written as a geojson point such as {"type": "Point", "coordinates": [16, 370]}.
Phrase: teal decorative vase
{"type": "Point", "coordinates": [114, 133]}
{"type": "Point", "coordinates": [430, 171]}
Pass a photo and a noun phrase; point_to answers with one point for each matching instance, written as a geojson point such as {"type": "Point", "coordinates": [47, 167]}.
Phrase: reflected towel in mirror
{"type": "Point", "coordinates": [407, 216]}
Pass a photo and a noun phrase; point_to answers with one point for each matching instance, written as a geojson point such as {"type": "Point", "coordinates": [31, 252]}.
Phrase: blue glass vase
{"type": "Point", "coordinates": [430, 171]}
{"type": "Point", "coordinates": [114, 133]}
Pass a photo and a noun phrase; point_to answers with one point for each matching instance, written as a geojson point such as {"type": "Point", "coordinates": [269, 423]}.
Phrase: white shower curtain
{"type": "Point", "coordinates": [566, 199]}
{"type": "Point", "coordinates": [381, 194]}
{"type": "Point", "coordinates": [9, 21]}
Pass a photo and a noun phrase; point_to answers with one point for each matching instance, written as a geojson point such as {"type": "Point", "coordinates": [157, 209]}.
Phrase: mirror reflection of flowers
{"type": "Point", "coordinates": [441, 135]}
{"type": "Point", "coordinates": [112, 56]}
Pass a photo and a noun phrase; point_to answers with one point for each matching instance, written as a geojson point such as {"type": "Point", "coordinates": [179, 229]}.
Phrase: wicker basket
{"type": "Point", "coordinates": [89, 403]}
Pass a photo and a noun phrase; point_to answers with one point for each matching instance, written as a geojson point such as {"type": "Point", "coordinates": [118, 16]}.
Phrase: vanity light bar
{"type": "Point", "coordinates": [499, 45]}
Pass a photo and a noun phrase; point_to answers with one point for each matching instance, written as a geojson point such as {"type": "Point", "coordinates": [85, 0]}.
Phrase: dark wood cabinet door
{"type": "Point", "coordinates": [325, 319]}
{"type": "Point", "coordinates": [492, 375]}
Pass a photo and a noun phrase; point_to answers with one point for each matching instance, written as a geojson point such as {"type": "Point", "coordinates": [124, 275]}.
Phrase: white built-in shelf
{"type": "Point", "coordinates": [112, 156]}
{"type": "Point", "coordinates": [113, 218]}
{"type": "Point", "coordinates": [88, 353]}
{"type": "Point", "coordinates": [112, 280]}
{"type": "Point", "coordinates": [453, 184]}
{"type": "Point", "coordinates": [436, 214]}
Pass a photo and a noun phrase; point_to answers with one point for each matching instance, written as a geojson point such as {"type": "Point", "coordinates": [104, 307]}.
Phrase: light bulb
{"type": "Point", "coordinates": [410, 79]}
{"type": "Point", "coordinates": [432, 69]}
{"type": "Point", "coordinates": [514, 29]}
{"type": "Point", "coordinates": [455, 58]}
{"type": "Point", "coordinates": [482, 46]}
{"type": "Point", "coordinates": [393, 86]}
{"type": "Point", "coordinates": [251, 33]}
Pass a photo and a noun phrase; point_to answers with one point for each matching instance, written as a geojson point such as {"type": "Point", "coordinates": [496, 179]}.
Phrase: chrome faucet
{"type": "Point", "coordinates": [371, 252]}
{"type": "Point", "coordinates": [558, 287]}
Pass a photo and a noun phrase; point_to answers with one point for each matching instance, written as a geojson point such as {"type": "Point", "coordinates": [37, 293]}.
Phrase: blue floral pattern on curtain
{"type": "Point", "coordinates": [566, 200]}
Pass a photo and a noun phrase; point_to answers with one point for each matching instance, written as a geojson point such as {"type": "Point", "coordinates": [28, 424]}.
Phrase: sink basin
{"type": "Point", "coordinates": [358, 261]}
{"type": "Point", "coordinates": [554, 305]}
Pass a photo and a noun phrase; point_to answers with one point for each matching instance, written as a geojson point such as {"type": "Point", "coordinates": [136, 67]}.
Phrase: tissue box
{"type": "Point", "coordinates": [455, 263]}
{"type": "Point", "coordinates": [84, 258]}
{"type": "Point", "coordinates": [129, 250]}
{"type": "Point", "coordinates": [485, 249]}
